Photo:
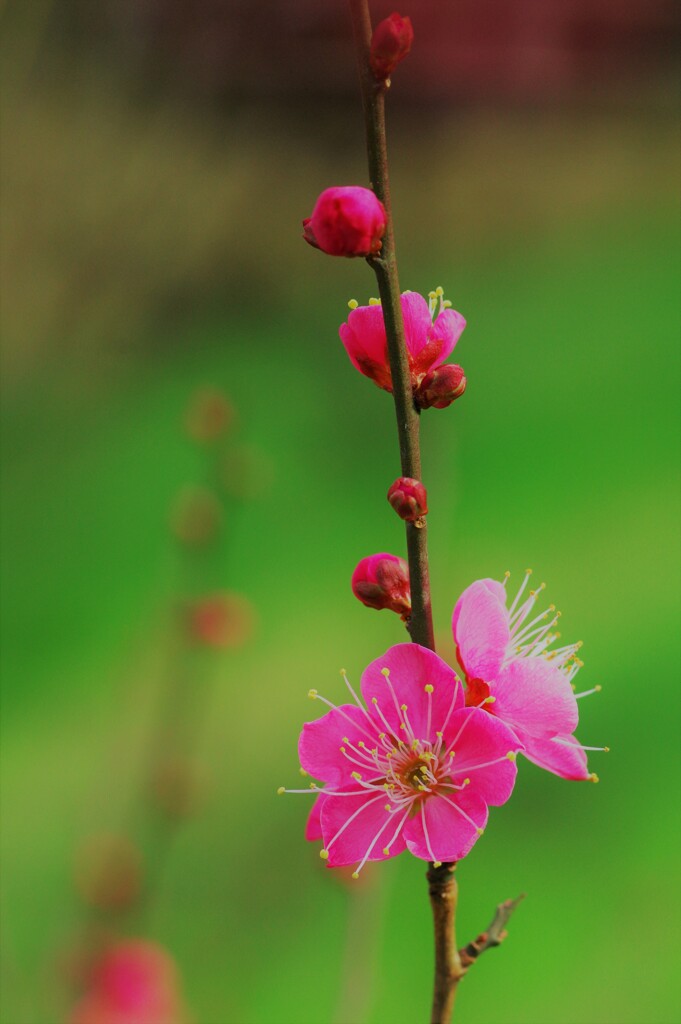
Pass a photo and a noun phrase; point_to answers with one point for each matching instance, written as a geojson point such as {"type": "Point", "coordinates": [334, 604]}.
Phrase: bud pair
{"type": "Point", "coordinates": [440, 387]}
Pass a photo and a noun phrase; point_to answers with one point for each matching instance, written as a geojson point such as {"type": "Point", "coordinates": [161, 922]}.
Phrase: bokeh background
{"type": "Point", "coordinates": [158, 157]}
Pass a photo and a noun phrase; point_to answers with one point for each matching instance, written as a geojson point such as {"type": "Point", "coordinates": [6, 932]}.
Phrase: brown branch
{"type": "Point", "coordinates": [494, 936]}
{"type": "Point", "coordinates": [385, 268]}
{"type": "Point", "coordinates": [449, 970]}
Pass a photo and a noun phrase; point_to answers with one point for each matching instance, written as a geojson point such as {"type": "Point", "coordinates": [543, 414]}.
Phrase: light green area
{"type": "Point", "coordinates": [562, 455]}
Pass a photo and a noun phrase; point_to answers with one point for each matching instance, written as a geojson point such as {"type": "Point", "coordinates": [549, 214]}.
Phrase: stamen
{"type": "Point", "coordinates": [425, 832]}
{"type": "Point", "coordinates": [378, 835]}
{"type": "Point", "coordinates": [386, 849]}
{"type": "Point", "coordinates": [580, 746]}
{"type": "Point", "coordinates": [587, 693]}
{"type": "Point", "coordinates": [374, 302]}
{"type": "Point", "coordinates": [528, 573]}
{"type": "Point", "coordinates": [353, 303]}
{"type": "Point", "coordinates": [352, 817]}
{"type": "Point", "coordinates": [463, 814]}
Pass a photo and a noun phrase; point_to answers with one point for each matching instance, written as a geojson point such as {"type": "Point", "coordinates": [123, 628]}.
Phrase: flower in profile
{"type": "Point", "coordinates": [382, 581]}
{"type": "Point", "coordinates": [390, 43]}
{"type": "Point", "coordinates": [133, 982]}
{"type": "Point", "coordinates": [431, 330]}
{"type": "Point", "coordinates": [346, 221]}
{"type": "Point", "coordinates": [415, 769]}
{"type": "Point", "coordinates": [515, 673]}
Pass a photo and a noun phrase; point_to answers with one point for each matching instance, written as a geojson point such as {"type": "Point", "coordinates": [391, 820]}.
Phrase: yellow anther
{"type": "Point", "coordinates": [386, 851]}
{"type": "Point", "coordinates": [343, 672]}
{"type": "Point", "coordinates": [452, 753]}
{"type": "Point", "coordinates": [414, 744]}
{"type": "Point", "coordinates": [387, 807]}
{"type": "Point", "coordinates": [447, 304]}
{"type": "Point", "coordinates": [356, 775]}
{"type": "Point", "coordinates": [528, 572]}
{"type": "Point", "coordinates": [385, 672]}
{"type": "Point", "coordinates": [466, 782]}
{"type": "Point", "coordinates": [490, 700]}
{"type": "Point", "coordinates": [533, 593]}
{"type": "Point", "coordinates": [312, 694]}
{"type": "Point", "coordinates": [402, 725]}
{"type": "Point", "coordinates": [345, 739]}
{"type": "Point", "coordinates": [381, 735]}
{"type": "Point", "coordinates": [324, 854]}
{"type": "Point", "coordinates": [313, 785]}
{"type": "Point", "coordinates": [439, 291]}
{"type": "Point", "coordinates": [423, 769]}
{"type": "Point", "coordinates": [593, 777]}
{"type": "Point", "coordinates": [606, 750]}
{"type": "Point", "coordinates": [355, 875]}
{"type": "Point", "coordinates": [437, 863]}
{"type": "Point", "coordinates": [282, 789]}
{"type": "Point", "coordinates": [361, 743]}
{"type": "Point", "coordinates": [374, 700]}
{"type": "Point", "coordinates": [439, 735]}
{"type": "Point", "coordinates": [507, 574]}
{"type": "Point", "coordinates": [579, 644]}
{"type": "Point", "coordinates": [511, 755]}
{"type": "Point", "coordinates": [342, 750]}
{"type": "Point", "coordinates": [403, 707]}
{"type": "Point", "coordinates": [552, 607]}
{"type": "Point", "coordinates": [374, 302]}
{"type": "Point", "coordinates": [302, 771]}
{"type": "Point", "coordinates": [429, 688]}
{"type": "Point", "coordinates": [542, 586]}
{"type": "Point", "coordinates": [353, 303]}
{"type": "Point", "coordinates": [597, 688]}
{"type": "Point", "coordinates": [431, 295]}
{"type": "Point", "coordinates": [480, 831]}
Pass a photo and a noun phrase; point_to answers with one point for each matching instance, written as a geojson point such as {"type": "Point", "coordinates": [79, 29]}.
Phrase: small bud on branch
{"type": "Point", "coordinates": [409, 499]}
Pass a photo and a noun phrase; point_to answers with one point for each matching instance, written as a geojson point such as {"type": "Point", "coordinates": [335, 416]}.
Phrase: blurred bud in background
{"type": "Point", "coordinates": [108, 872]}
{"type": "Point", "coordinates": [132, 982]}
{"type": "Point", "coordinates": [220, 620]}
{"type": "Point", "coordinates": [210, 415]}
{"type": "Point", "coordinates": [178, 786]}
{"type": "Point", "coordinates": [196, 516]}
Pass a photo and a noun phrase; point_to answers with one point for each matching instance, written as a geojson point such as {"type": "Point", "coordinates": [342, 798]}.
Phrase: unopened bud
{"type": "Point", "coordinates": [440, 387]}
{"type": "Point", "coordinates": [108, 872]}
{"type": "Point", "coordinates": [220, 620]}
{"type": "Point", "coordinates": [210, 415]}
{"type": "Point", "coordinates": [382, 581]}
{"type": "Point", "coordinates": [409, 499]}
{"type": "Point", "coordinates": [390, 43]}
{"type": "Point", "coordinates": [346, 221]}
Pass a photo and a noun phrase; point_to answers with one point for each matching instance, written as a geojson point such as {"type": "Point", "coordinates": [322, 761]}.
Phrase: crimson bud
{"type": "Point", "coordinates": [390, 43]}
{"type": "Point", "coordinates": [441, 386]}
{"type": "Point", "coordinates": [382, 581]}
{"type": "Point", "coordinates": [409, 499]}
{"type": "Point", "coordinates": [346, 221]}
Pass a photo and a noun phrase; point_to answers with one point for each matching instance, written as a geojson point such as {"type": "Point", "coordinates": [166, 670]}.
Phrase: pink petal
{"type": "Point", "coordinates": [450, 834]}
{"type": "Point", "coordinates": [370, 819]}
{"type": "Point", "coordinates": [534, 695]}
{"type": "Point", "coordinates": [481, 632]}
{"type": "Point", "coordinates": [412, 668]}
{"type": "Point", "coordinates": [417, 322]}
{"type": "Point", "coordinates": [565, 758]}
{"type": "Point", "coordinates": [446, 330]}
{"type": "Point", "coordinates": [320, 743]}
{"type": "Point", "coordinates": [313, 829]}
{"type": "Point", "coordinates": [483, 738]}
{"type": "Point", "coordinates": [364, 337]}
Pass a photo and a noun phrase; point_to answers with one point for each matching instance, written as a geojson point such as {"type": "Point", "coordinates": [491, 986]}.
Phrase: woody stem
{"type": "Point", "coordinates": [385, 268]}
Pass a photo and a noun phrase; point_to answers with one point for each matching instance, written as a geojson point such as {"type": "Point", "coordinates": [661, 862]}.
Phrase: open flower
{"type": "Point", "coordinates": [431, 329]}
{"type": "Point", "coordinates": [514, 672]}
{"type": "Point", "coordinates": [415, 769]}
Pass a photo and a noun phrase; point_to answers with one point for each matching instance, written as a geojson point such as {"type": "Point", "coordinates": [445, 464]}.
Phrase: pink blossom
{"type": "Point", "coordinates": [134, 982]}
{"type": "Point", "coordinates": [390, 43]}
{"type": "Point", "coordinates": [346, 221]}
{"type": "Point", "coordinates": [382, 581]}
{"type": "Point", "coordinates": [515, 673]}
{"type": "Point", "coordinates": [415, 771]}
{"type": "Point", "coordinates": [431, 330]}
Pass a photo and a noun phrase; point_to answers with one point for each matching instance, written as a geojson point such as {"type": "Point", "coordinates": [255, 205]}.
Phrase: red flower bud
{"type": "Point", "coordinates": [346, 221]}
{"type": "Point", "coordinates": [390, 43]}
{"type": "Point", "coordinates": [440, 387]}
{"type": "Point", "coordinates": [382, 581]}
{"type": "Point", "coordinates": [409, 499]}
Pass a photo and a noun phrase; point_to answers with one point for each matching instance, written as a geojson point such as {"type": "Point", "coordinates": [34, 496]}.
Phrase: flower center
{"type": "Point", "coordinates": [415, 773]}
{"type": "Point", "coordinates": [477, 692]}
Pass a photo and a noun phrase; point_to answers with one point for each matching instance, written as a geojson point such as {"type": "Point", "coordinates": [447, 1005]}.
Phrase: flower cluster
{"type": "Point", "coordinates": [417, 765]}
{"type": "Point", "coordinates": [431, 328]}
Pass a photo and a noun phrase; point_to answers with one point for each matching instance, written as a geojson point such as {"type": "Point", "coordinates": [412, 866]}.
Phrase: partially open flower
{"type": "Point", "coordinates": [382, 581]}
{"type": "Point", "coordinates": [346, 221]}
{"type": "Point", "coordinates": [515, 673]}
{"type": "Point", "coordinates": [390, 43]}
{"type": "Point", "coordinates": [431, 330]}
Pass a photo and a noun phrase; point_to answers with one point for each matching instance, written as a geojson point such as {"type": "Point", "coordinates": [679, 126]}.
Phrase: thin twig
{"type": "Point", "coordinates": [420, 624]}
{"type": "Point", "coordinates": [495, 934]}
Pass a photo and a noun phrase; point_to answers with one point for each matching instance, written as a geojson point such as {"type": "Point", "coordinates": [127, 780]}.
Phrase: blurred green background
{"type": "Point", "coordinates": [151, 246]}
